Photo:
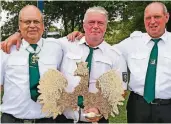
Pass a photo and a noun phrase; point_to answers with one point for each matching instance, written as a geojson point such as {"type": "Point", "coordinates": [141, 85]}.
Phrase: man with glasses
{"type": "Point", "coordinates": [21, 70]}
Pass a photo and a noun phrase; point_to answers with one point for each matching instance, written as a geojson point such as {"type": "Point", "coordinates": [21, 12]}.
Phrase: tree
{"type": "Point", "coordinates": [55, 10]}
{"type": "Point", "coordinates": [72, 13]}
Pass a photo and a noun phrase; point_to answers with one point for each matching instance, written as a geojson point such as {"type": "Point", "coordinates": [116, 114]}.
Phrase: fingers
{"type": "Point", "coordinates": [124, 95]}
{"type": "Point", "coordinates": [92, 110]}
{"type": "Point", "coordinates": [94, 119]}
{"type": "Point", "coordinates": [80, 35]}
{"type": "Point", "coordinates": [8, 47]}
{"type": "Point", "coordinates": [18, 44]}
{"type": "Point", "coordinates": [2, 44]}
{"type": "Point", "coordinates": [74, 36]}
{"type": "Point", "coordinates": [4, 47]}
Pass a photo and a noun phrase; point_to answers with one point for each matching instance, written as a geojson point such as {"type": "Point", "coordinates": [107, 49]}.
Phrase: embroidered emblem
{"type": "Point", "coordinates": [152, 61]}
{"type": "Point", "coordinates": [125, 76]}
{"type": "Point", "coordinates": [34, 59]}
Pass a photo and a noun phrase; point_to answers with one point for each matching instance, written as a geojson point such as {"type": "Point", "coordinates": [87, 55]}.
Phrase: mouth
{"type": "Point", "coordinates": [95, 33]}
{"type": "Point", "coordinates": [153, 27]}
{"type": "Point", "coordinates": [32, 32]}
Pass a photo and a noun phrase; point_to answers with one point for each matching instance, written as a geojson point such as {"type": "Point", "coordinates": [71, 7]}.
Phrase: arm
{"type": "Point", "coordinates": [14, 39]}
{"type": "Point", "coordinates": [120, 65]}
{"type": "Point", "coordinates": [75, 35]}
{"type": "Point", "coordinates": [2, 67]}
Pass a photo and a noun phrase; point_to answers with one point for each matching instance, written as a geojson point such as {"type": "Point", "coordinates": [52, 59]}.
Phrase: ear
{"type": "Point", "coordinates": [19, 27]}
{"type": "Point", "coordinates": [167, 17]}
{"type": "Point", "coordinates": [43, 27]}
{"type": "Point", "coordinates": [84, 26]}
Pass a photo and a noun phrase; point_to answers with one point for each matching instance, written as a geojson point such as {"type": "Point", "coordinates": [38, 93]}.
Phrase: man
{"type": "Point", "coordinates": [21, 70]}
{"type": "Point", "coordinates": [103, 58]}
{"type": "Point", "coordinates": [148, 58]}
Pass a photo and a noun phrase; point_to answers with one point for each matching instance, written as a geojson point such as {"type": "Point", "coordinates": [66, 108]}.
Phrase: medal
{"type": "Point", "coordinates": [34, 59]}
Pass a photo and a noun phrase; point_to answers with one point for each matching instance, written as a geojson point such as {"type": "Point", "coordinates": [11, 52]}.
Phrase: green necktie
{"type": "Point", "coordinates": [34, 75]}
{"type": "Point", "coordinates": [89, 60]}
{"type": "Point", "coordinates": [149, 89]}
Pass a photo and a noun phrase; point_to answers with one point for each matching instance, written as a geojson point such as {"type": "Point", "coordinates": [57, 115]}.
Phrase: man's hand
{"type": "Point", "coordinates": [125, 93]}
{"type": "Point", "coordinates": [14, 39]}
{"type": "Point", "coordinates": [75, 35]}
{"type": "Point", "coordinates": [94, 110]}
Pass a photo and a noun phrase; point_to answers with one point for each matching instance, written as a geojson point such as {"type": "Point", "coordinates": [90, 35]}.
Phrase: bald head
{"type": "Point", "coordinates": [157, 4]}
{"type": "Point", "coordinates": [30, 8]}
{"type": "Point", "coordinates": [155, 19]}
{"type": "Point", "coordinates": [31, 23]}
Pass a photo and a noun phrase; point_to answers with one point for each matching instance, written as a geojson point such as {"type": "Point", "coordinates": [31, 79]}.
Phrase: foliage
{"type": "Point", "coordinates": [72, 13]}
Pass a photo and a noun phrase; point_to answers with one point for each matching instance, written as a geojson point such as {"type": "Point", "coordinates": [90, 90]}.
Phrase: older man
{"type": "Point", "coordinates": [99, 55]}
{"type": "Point", "coordinates": [21, 70]}
{"type": "Point", "coordinates": [148, 58]}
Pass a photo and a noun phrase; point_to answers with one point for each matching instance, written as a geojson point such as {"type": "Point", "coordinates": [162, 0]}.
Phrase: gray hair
{"type": "Point", "coordinates": [97, 9]}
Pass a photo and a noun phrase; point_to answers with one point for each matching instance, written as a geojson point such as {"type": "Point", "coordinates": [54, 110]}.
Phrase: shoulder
{"type": "Point", "coordinates": [110, 51]}
{"type": "Point", "coordinates": [169, 34]}
{"type": "Point", "coordinates": [50, 40]}
{"type": "Point", "coordinates": [135, 38]}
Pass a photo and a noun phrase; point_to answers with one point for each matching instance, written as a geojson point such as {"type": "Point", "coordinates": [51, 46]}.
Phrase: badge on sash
{"type": "Point", "coordinates": [125, 76]}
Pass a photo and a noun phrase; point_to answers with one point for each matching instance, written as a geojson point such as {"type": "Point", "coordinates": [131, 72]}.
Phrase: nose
{"type": "Point", "coordinates": [152, 20]}
{"type": "Point", "coordinates": [95, 25]}
{"type": "Point", "coordinates": [32, 24]}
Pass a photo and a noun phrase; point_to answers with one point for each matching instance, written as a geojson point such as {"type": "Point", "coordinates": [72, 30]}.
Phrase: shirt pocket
{"type": "Point", "coordinates": [17, 66]}
{"type": "Point", "coordinates": [166, 62]}
{"type": "Point", "coordinates": [69, 62]}
{"type": "Point", "coordinates": [102, 64]}
{"type": "Point", "coordinates": [46, 63]}
{"type": "Point", "coordinates": [138, 63]}
{"type": "Point", "coordinates": [167, 58]}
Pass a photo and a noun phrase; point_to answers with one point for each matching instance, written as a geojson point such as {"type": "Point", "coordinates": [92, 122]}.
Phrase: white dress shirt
{"type": "Point", "coordinates": [15, 77]}
{"type": "Point", "coordinates": [136, 50]}
{"type": "Point", "coordinates": [104, 59]}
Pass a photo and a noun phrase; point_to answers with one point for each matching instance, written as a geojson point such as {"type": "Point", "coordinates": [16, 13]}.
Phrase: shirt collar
{"type": "Point", "coordinates": [163, 37]}
{"type": "Point", "coordinates": [100, 46]}
{"type": "Point", "coordinates": [26, 45]}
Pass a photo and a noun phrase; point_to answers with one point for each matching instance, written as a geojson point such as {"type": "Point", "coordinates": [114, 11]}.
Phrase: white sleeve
{"type": "Point", "coordinates": [63, 42]}
{"type": "Point", "coordinates": [119, 64]}
{"type": "Point", "coordinates": [3, 57]}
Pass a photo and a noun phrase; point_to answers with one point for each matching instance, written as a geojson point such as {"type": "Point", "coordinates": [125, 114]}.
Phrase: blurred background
{"type": "Point", "coordinates": [63, 17]}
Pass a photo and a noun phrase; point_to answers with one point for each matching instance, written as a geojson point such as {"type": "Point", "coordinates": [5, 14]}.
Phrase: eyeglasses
{"type": "Point", "coordinates": [28, 22]}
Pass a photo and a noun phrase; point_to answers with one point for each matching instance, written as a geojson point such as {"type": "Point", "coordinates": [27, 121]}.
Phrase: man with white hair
{"type": "Point", "coordinates": [148, 58]}
{"type": "Point", "coordinates": [100, 57]}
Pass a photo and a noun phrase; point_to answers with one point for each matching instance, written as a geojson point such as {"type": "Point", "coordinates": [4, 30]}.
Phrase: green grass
{"type": "Point", "coordinates": [121, 118]}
